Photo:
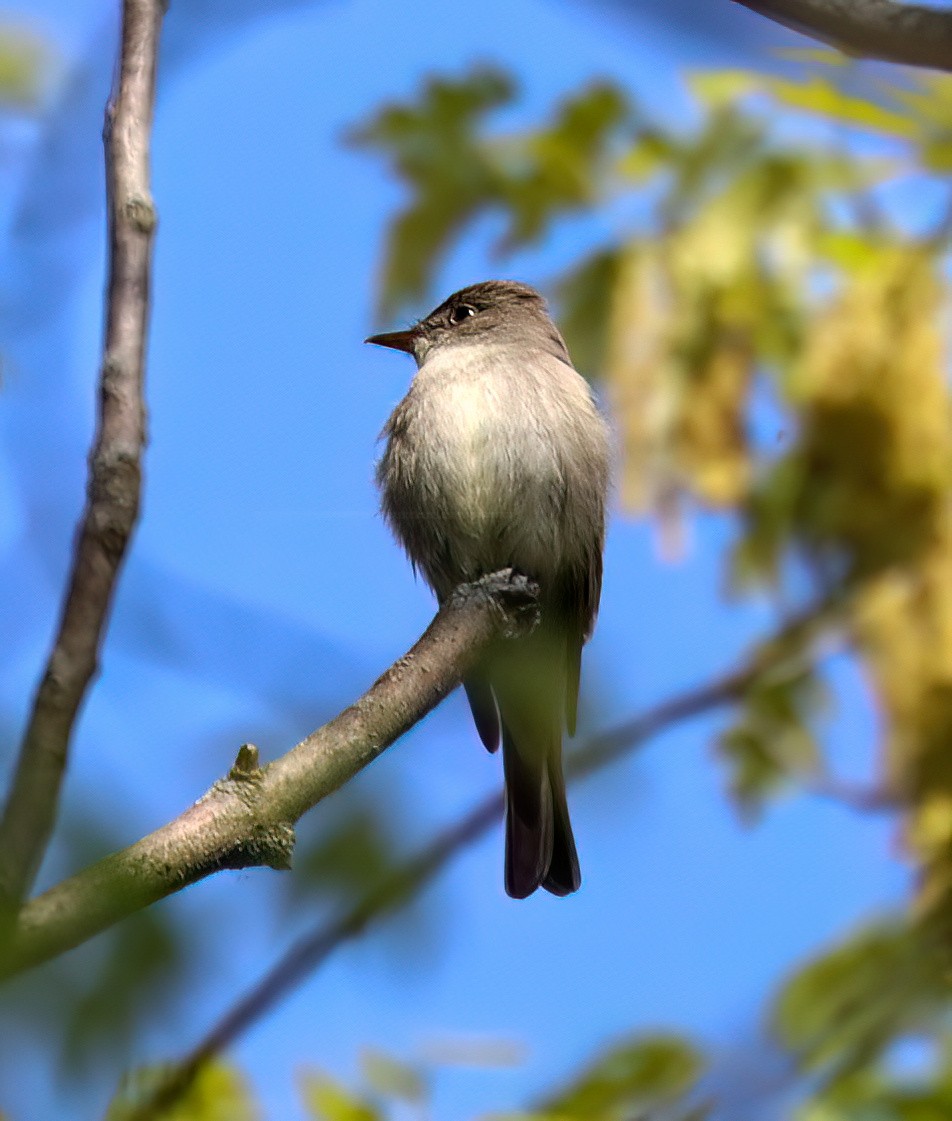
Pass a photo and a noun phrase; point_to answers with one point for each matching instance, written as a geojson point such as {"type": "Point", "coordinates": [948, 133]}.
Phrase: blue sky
{"type": "Point", "coordinates": [264, 592]}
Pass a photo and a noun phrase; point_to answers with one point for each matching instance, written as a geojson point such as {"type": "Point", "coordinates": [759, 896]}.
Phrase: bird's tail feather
{"type": "Point", "coordinates": [563, 876]}
{"type": "Point", "coordinates": [529, 819]}
{"type": "Point", "coordinates": [540, 848]}
{"type": "Point", "coordinates": [527, 678]}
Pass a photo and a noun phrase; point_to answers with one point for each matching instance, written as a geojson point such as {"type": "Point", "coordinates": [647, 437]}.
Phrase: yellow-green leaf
{"type": "Point", "coordinates": [824, 56]}
{"type": "Point", "coordinates": [24, 63]}
{"type": "Point", "coordinates": [218, 1092]}
{"type": "Point", "coordinates": [937, 154]}
{"type": "Point", "coordinates": [720, 87]}
{"type": "Point", "coordinates": [629, 1079]}
{"type": "Point", "coordinates": [819, 95]}
{"type": "Point", "coordinates": [328, 1100]}
{"type": "Point", "coordinates": [391, 1078]}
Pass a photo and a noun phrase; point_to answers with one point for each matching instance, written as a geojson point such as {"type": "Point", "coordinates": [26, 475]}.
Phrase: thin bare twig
{"type": "Point", "coordinates": [112, 503]}
{"type": "Point", "coordinates": [888, 30]}
{"type": "Point", "coordinates": [862, 797]}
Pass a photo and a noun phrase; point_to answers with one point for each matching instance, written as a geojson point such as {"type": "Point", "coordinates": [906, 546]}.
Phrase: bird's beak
{"type": "Point", "coordinates": [396, 340]}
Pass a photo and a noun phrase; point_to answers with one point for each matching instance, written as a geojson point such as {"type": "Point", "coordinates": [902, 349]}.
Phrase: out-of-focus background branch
{"type": "Point", "coordinates": [749, 253]}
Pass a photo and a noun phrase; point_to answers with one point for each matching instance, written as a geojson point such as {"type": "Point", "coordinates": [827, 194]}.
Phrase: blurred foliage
{"type": "Point", "coordinates": [218, 1093]}
{"type": "Point", "coordinates": [389, 1078]}
{"type": "Point", "coordinates": [455, 173]}
{"type": "Point", "coordinates": [771, 739]}
{"type": "Point", "coordinates": [24, 67]}
{"type": "Point", "coordinates": [651, 1077]}
{"type": "Point", "coordinates": [638, 1077]}
{"type": "Point", "coordinates": [132, 977]}
{"type": "Point", "coordinates": [869, 1025]}
{"type": "Point", "coordinates": [328, 1100]}
{"type": "Point", "coordinates": [355, 850]}
{"type": "Point", "coordinates": [347, 852]}
{"type": "Point", "coordinates": [86, 1009]}
{"type": "Point", "coordinates": [845, 1010]}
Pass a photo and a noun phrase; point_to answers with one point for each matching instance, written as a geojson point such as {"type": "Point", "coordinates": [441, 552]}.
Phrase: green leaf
{"type": "Point", "coordinates": [217, 1093]}
{"type": "Point", "coordinates": [584, 299]}
{"type": "Point", "coordinates": [393, 1079]}
{"type": "Point", "coordinates": [24, 66]}
{"type": "Point", "coordinates": [841, 1012]}
{"type": "Point", "coordinates": [630, 1079]}
{"type": "Point", "coordinates": [771, 741]}
{"type": "Point", "coordinates": [823, 97]}
{"type": "Point", "coordinates": [769, 522]}
{"type": "Point", "coordinates": [650, 153]}
{"type": "Point", "coordinates": [937, 154]}
{"type": "Point", "coordinates": [456, 172]}
{"type": "Point", "coordinates": [716, 88]}
{"type": "Point", "coordinates": [562, 168]}
{"type": "Point", "coordinates": [930, 100]}
{"type": "Point", "coordinates": [142, 954]}
{"type": "Point", "coordinates": [357, 852]}
{"type": "Point", "coordinates": [729, 141]}
{"type": "Point", "coordinates": [881, 1095]}
{"type": "Point", "coordinates": [435, 148]}
{"type": "Point", "coordinates": [327, 1100]}
{"type": "Point", "coordinates": [849, 250]}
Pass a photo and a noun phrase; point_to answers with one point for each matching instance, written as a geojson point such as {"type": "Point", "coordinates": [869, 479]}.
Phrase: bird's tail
{"type": "Point", "coordinates": [563, 876]}
{"type": "Point", "coordinates": [540, 848]}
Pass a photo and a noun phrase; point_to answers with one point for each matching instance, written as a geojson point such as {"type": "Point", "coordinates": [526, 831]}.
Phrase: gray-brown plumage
{"type": "Point", "coordinates": [497, 458]}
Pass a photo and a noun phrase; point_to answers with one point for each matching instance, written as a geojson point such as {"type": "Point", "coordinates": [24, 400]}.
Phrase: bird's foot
{"type": "Point", "coordinates": [516, 596]}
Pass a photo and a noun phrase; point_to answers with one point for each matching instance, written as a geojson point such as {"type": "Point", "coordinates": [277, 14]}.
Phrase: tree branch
{"type": "Point", "coordinates": [912, 34]}
{"type": "Point", "coordinates": [113, 487]}
{"type": "Point", "coordinates": [247, 818]}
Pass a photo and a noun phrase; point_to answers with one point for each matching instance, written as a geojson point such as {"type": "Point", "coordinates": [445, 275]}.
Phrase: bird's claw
{"type": "Point", "coordinates": [512, 592]}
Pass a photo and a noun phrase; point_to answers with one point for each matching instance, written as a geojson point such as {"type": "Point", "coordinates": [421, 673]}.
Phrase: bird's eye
{"type": "Point", "coordinates": [461, 312]}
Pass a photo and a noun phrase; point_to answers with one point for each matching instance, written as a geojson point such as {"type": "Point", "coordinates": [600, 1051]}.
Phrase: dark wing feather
{"type": "Point", "coordinates": [579, 602]}
{"type": "Point", "coordinates": [528, 811]}
{"type": "Point", "coordinates": [485, 714]}
{"type": "Point", "coordinates": [563, 876]}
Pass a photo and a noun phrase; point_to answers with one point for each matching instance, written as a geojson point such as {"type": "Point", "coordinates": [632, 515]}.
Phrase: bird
{"type": "Point", "coordinates": [499, 458]}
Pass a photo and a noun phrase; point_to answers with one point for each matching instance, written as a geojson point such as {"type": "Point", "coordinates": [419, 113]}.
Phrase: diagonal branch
{"type": "Point", "coordinates": [113, 488]}
{"type": "Point", "coordinates": [888, 30]}
{"type": "Point", "coordinates": [912, 34]}
{"type": "Point", "coordinates": [247, 819]}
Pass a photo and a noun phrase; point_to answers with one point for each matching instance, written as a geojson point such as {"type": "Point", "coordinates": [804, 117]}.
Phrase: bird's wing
{"type": "Point", "coordinates": [485, 715]}
{"type": "Point", "coordinates": [579, 606]}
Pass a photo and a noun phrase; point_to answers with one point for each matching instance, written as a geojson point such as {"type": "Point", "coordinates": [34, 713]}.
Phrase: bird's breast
{"type": "Point", "coordinates": [488, 441]}
{"type": "Point", "coordinates": [472, 472]}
